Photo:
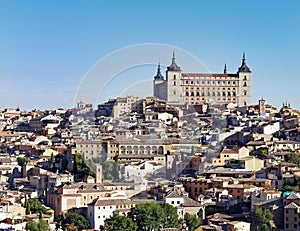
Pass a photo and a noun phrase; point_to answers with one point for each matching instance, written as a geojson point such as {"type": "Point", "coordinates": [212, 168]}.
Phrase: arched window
{"type": "Point", "coordinates": [245, 77]}
{"type": "Point", "coordinates": [174, 76]}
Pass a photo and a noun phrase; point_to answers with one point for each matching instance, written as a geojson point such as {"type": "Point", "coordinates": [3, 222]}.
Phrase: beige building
{"type": "Point", "coordinates": [199, 88]}
{"type": "Point", "coordinates": [121, 105]}
{"type": "Point", "coordinates": [249, 163]}
{"type": "Point", "coordinates": [228, 154]}
{"type": "Point", "coordinates": [75, 196]}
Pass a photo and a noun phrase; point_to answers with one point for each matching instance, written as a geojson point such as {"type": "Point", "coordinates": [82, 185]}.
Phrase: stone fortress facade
{"type": "Point", "coordinates": [199, 88]}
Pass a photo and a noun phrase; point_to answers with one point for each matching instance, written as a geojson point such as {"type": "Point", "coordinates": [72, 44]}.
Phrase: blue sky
{"type": "Point", "coordinates": [47, 47]}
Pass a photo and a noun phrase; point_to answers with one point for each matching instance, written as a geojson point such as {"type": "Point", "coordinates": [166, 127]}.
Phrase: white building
{"type": "Point", "coordinates": [143, 170]}
{"type": "Point", "coordinates": [102, 209]}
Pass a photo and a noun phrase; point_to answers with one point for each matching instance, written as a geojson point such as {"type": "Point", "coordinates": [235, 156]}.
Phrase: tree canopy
{"type": "Point", "coordinates": [81, 168]}
{"type": "Point", "coordinates": [150, 216]}
{"type": "Point", "coordinates": [72, 221]}
{"type": "Point", "coordinates": [22, 161]}
{"type": "Point", "coordinates": [118, 222]}
{"type": "Point", "coordinates": [292, 158]}
{"type": "Point", "coordinates": [33, 205]}
{"type": "Point", "coordinates": [192, 221]}
{"type": "Point", "coordinates": [40, 225]}
{"type": "Point", "coordinates": [261, 217]}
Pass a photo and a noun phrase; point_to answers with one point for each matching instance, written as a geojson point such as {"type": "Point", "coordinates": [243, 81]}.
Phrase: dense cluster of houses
{"type": "Point", "coordinates": [221, 158]}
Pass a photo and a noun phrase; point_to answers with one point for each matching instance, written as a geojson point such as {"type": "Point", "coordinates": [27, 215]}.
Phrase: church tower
{"type": "Point", "coordinates": [159, 85]}
{"type": "Point", "coordinates": [173, 75]}
{"type": "Point", "coordinates": [244, 75]}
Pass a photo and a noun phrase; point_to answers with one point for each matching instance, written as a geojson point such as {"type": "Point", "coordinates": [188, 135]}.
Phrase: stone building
{"type": "Point", "coordinates": [199, 88]}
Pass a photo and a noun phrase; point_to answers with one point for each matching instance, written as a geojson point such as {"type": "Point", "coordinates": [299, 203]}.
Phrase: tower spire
{"type": "Point", "coordinates": [225, 69]}
{"type": "Point", "coordinates": [244, 67]}
{"type": "Point", "coordinates": [244, 58]}
{"type": "Point", "coordinates": [158, 76]}
{"type": "Point", "coordinates": [173, 66]}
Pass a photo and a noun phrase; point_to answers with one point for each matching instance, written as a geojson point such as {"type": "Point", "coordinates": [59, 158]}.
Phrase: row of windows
{"type": "Point", "coordinates": [208, 82]}
{"type": "Point", "coordinates": [245, 78]}
{"type": "Point", "coordinates": [210, 94]}
{"type": "Point", "coordinates": [212, 89]}
{"type": "Point", "coordinates": [203, 99]}
{"type": "Point", "coordinates": [87, 145]}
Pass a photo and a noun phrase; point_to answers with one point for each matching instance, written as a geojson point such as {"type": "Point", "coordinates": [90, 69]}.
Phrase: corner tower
{"type": "Point", "coordinates": [159, 85]}
{"type": "Point", "coordinates": [173, 74]}
{"type": "Point", "coordinates": [244, 75]}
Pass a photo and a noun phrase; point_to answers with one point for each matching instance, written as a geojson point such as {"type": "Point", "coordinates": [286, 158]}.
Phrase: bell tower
{"type": "Point", "coordinates": [244, 75]}
{"type": "Point", "coordinates": [173, 75]}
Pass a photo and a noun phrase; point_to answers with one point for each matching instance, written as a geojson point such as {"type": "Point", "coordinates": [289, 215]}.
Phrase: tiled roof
{"type": "Point", "coordinates": [189, 202]}
{"type": "Point", "coordinates": [291, 206]}
{"type": "Point", "coordinates": [106, 202]}
{"type": "Point", "coordinates": [174, 194]}
{"type": "Point", "coordinates": [293, 196]}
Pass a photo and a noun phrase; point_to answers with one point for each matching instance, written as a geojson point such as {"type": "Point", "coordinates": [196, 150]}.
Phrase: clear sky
{"type": "Point", "coordinates": [47, 47]}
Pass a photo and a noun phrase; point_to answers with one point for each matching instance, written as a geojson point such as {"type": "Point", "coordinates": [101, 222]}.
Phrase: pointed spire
{"type": "Point", "coordinates": [158, 76]}
{"type": "Point", "coordinates": [244, 59]}
{"type": "Point", "coordinates": [225, 69]}
{"type": "Point", "coordinates": [244, 67]}
{"type": "Point", "coordinates": [173, 66]}
{"type": "Point", "coordinates": [158, 69]}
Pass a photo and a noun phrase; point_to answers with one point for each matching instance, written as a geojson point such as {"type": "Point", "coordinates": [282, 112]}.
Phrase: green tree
{"type": "Point", "coordinates": [150, 216]}
{"type": "Point", "coordinates": [52, 161]}
{"type": "Point", "coordinates": [118, 222]}
{"type": "Point", "coordinates": [116, 169]}
{"type": "Point", "coordinates": [64, 164]}
{"type": "Point", "coordinates": [81, 168]}
{"type": "Point", "coordinates": [22, 161]}
{"type": "Point", "coordinates": [72, 221]}
{"type": "Point", "coordinates": [260, 216]}
{"type": "Point", "coordinates": [33, 205]}
{"type": "Point", "coordinates": [107, 170]}
{"type": "Point", "coordinates": [293, 158]}
{"type": "Point", "coordinates": [40, 225]}
{"type": "Point", "coordinates": [264, 227]}
{"type": "Point", "coordinates": [192, 221]}
{"type": "Point", "coordinates": [170, 215]}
